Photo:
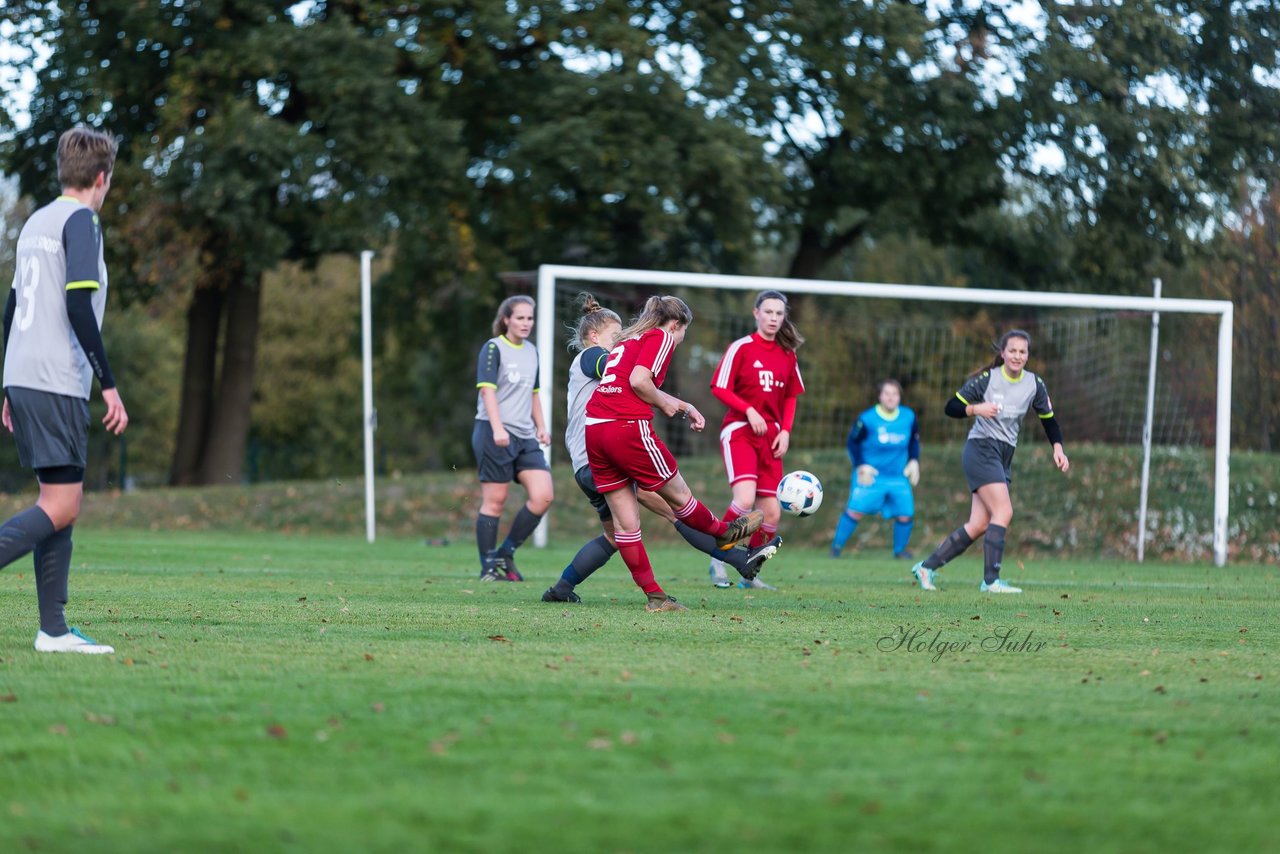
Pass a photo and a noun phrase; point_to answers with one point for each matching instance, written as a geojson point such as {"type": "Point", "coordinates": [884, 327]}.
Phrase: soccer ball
{"type": "Point", "coordinates": [800, 493]}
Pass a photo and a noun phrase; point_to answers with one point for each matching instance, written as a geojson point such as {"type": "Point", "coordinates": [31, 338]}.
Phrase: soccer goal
{"type": "Point", "coordinates": [1115, 389]}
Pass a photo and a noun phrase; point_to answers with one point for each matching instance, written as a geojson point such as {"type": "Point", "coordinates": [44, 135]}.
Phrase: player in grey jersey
{"type": "Point", "coordinates": [506, 436]}
{"type": "Point", "coordinates": [999, 397]}
{"type": "Point", "coordinates": [594, 336]}
{"type": "Point", "coordinates": [53, 350]}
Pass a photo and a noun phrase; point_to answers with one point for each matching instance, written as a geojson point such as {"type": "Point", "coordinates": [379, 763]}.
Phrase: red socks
{"type": "Point", "coordinates": [763, 535]}
{"type": "Point", "coordinates": [696, 515]}
{"type": "Point", "coordinates": [637, 560]}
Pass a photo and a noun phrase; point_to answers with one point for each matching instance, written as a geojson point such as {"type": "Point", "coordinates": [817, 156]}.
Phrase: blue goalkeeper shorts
{"type": "Point", "coordinates": [889, 496]}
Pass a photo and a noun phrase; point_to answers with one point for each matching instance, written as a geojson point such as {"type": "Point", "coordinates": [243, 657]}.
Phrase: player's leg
{"type": "Point", "coordinates": [61, 491]}
{"type": "Point", "coordinates": [954, 545]}
{"type": "Point", "coordinates": [626, 519]}
{"type": "Point", "coordinates": [862, 501]}
{"type": "Point", "coordinates": [746, 561]}
{"type": "Point", "coordinates": [739, 456]}
{"type": "Point", "coordinates": [496, 470]}
{"type": "Point", "coordinates": [695, 514]}
{"type": "Point", "coordinates": [593, 554]}
{"type": "Point", "coordinates": [768, 474]}
{"type": "Point", "coordinates": [901, 506]}
{"type": "Point", "coordinates": [999, 507]}
{"type": "Point", "coordinates": [534, 475]}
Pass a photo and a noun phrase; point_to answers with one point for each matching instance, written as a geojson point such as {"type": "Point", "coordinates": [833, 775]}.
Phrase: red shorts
{"type": "Point", "coordinates": [750, 457]}
{"type": "Point", "coordinates": [623, 452]}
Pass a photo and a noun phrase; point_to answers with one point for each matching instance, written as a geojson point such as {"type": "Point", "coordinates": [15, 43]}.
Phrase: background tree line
{"type": "Point", "coordinates": [1083, 147]}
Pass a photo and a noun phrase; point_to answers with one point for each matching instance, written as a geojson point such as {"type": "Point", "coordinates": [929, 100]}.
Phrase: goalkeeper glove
{"type": "Point", "coordinates": [867, 474]}
{"type": "Point", "coordinates": [912, 472]}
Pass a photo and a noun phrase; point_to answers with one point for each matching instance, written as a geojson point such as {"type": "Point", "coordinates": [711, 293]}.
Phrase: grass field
{"type": "Point", "coordinates": [314, 694]}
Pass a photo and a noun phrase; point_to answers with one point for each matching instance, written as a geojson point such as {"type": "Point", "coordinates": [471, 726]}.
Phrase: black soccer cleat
{"type": "Point", "coordinates": [757, 557]}
{"type": "Point", "coordinates": [489, 569]}
{"type": "Point", "coordinates": [552, 596]}
{"type": "Point", "coordinates": [506, 564]}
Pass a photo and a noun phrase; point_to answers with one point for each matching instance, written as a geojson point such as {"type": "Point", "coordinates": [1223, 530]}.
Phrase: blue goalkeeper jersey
{"type": "Point", "coordinates": [885, 441]}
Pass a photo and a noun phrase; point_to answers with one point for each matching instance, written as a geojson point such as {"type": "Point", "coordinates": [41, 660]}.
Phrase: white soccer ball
{"type": "Point", "coordinates": [800, 493]}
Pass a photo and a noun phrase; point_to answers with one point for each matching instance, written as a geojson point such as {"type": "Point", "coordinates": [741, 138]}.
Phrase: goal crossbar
{"type": "Point", "coordinates": [549, 274]}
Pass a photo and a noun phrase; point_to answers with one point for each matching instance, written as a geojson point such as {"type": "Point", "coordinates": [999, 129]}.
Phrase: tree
{"type": "Point", "coordinates": [251, 132]}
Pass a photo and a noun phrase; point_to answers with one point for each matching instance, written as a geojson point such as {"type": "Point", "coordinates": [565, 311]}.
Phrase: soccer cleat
{"type": "Point", "coordinates": [903, 555]}
{"type": "Point", "coordinates": [552, 596]}
{"type": "Point", "coordinates": [924, 575]}
{"type": "Point", "coordinates": [757, 557]}
{"type": "Point", "coordinates": [72, 641]}
{"type": "Point", "coordinates": [835, 553]}
{"type": "Point", "coordinates": [740, 529]}
{"type": "Point", "coordinates": [999, 586]}
{"type": "Point", "coordinates": [667, 603]}
{"type": "Point", "coordinates": [506, 564]}
{"type": "Point", "coordinates": [489, 569]}
{"type": "Point", "coordinates": [755, 584]}
{"type": "Point", "coordinates": [719, 575]}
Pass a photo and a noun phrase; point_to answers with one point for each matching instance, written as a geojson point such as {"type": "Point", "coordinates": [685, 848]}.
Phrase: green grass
{"type": "Point", "coordinates": [315, 694]}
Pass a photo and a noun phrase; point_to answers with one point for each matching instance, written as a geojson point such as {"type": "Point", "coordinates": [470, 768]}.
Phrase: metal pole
{"type": "Point", "coordinates": [545, 331]}
{"type": "Point", "coordinates": [1147, 426]}
{"type": "Point", "coordinates": [370, 414]}
{"type": "Point", "coordinates": [1222, 444]}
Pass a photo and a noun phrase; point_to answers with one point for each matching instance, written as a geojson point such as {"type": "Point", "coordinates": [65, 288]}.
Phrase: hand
{"type": "Point", "coordinates": [544, 438]}
{"type": "Point", "coordinates": [781, 443]}
{"type": "Point", "coordinates": [1060, 458]}
{"type": "Point", "coordinates": [986, 409]}
{"type": "Point", "coordinates": [501, 437]}
{"type": "Point", "coordinates": [116, 418]}
{"type": "Point", "coordinates": [696, 421]}
{"type": "Point", "coordinates": [912, 472]}
{"type": "Point", "coordinates": [867, 474]}
{"type": "Point", "coordinates": [8, 420]}
{"type": "Point", "coordinates": [758, 424]}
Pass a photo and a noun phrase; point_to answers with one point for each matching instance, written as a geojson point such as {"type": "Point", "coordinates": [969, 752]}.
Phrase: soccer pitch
{"type": "Point", "coordinates": [319, 694]}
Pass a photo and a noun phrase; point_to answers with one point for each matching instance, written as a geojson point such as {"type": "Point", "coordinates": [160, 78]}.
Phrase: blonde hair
{"type": "Point", "coordinates": [594, 318]}
{"type": "Point", "coordinates": [657, 312]}
{"type": "Point", "coordinates": [83, 154]}
{"type": "Point", "coordinates": [505, 311]}
{"type": "Point", "coordinates": [788, 337]}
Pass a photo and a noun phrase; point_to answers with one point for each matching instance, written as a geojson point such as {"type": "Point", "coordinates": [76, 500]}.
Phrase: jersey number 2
{"type": "Point", "coordinates": [615, 356]}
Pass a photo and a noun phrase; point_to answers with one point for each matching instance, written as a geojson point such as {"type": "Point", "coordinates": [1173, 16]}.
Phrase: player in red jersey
{"type": "Point", "coordinates": [758, 381]}
{"type": "Point", "coordinates": [625, 453]}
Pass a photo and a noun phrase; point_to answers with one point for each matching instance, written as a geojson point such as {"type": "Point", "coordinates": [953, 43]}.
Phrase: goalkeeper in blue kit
{"type": "Point", "coordinates": [884, 446]}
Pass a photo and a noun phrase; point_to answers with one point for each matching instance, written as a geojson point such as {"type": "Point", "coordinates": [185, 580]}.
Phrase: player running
{"type": "Point", "coordinates": [758, 381]}
{"type": "Point", "coordinates": [884, 446]}
{"type": "Point", "coordinates": [998, 399]}
{"type": "Point", "coordinates": [53, 350]}
{"type": "Point", "coordinates": [594, 336]}
{"type": "Point", "coordinates": [506, 437]}
{"type": "Point", "coordinates": [624, 452]}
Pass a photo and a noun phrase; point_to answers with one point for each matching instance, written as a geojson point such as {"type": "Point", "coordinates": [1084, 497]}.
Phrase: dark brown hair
{"type": "Point", "coordinates": [788, 336]}
{"type": "Point", "coordinates": [505, 311]}
{"type": "Point", "coordinates": [83, 154]}
{"type": "Point", "coordinates": [999, 345]}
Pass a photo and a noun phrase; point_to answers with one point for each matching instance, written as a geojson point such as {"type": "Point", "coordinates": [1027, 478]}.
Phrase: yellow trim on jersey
{"type": "Point", "coordinates": [962, 400]}
{"type": "Point", "coordinates": [888, 416]}
{"type": "Point", "coordinates": [487, 385]}
{"type": "Point", "coordinates": [1021, 374]}
{"type": "Point", "coordinates": [83, 284]}
{"type": "Point", "coordinates": [510, 343]}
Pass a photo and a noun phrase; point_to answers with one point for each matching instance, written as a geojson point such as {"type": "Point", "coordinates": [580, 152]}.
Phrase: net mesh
{"type": "Point", "coordinates": [1095, 364]}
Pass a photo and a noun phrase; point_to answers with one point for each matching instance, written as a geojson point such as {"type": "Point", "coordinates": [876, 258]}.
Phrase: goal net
{"type": "Point", "coordinates": [1092, 350]}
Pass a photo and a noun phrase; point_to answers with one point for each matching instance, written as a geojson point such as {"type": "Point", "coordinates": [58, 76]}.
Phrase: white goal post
{"type": "Point", "coordinates": [547, 333]}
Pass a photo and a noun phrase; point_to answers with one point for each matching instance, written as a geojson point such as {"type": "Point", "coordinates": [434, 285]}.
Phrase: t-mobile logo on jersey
{"type": "Point", "coordinates": [767, 381]}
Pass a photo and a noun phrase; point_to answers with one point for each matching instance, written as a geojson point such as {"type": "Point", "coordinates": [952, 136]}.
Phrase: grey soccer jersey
{"type": "Point", "coordinates": [584, 376]}
{"type": "Point", "coordinates": [59, 249]}
{"type": "Point", "coordinates": [512, 372]}
{"type": "Point", "coordinates": [1015, 397]}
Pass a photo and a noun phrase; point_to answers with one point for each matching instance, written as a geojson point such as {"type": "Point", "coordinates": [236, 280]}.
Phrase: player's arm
{"type": "Point", "coordinates": [1052, 431]}
{"type": "Point", "coordinates": [10, 309]}
{"type": "Point", "coordinates": [863, 472]}
{"type": "Point", "coordinates": [782, 442]}
{"type": "Point", "coordinates": [487, 368]}
{"type": "Point", "coordinates": [968, 401]}
{"type": "Point", "coordinates": [593, 361]}
{"type": "Point", "coordinates": [535, 400]}
{"type": "Point", "coordinates": [80, 242]}
{"type": "Point", "coordinates": [912, 470]}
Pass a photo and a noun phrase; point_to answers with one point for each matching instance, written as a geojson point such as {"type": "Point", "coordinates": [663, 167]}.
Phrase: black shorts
{"type": "Point", "coordinates": [502, 465]}
{"type": "Point", "coordinates": [587, 484]}
{"type": "Point", "coordinates": [987, 461]}
{"type": "Point", "coordinates": [50, 430]}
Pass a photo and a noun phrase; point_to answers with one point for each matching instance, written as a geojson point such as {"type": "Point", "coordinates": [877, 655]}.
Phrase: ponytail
{"type": "Point", "coordinates": [594, 317]}
{"type": "Point", "coordinates": [657, 312]}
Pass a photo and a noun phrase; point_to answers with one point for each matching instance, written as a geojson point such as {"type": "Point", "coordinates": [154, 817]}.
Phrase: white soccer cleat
{"type": "Point", "coordinates": [755, 584]}
{"type": "Point", "coordinates": [719, 574]}
{"type": "Point", "coordinates": [998, 586]}
{"type": "Point", "coordinates": [72, 641]}
{"type": "Point", "coordinates": [924, 575]}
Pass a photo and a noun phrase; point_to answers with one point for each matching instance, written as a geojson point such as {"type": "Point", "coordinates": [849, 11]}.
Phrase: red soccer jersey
{"type": "Point", "coordinates": [758, 373]}
{"type": "Point", "coordinates": [614, 398]}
